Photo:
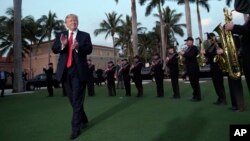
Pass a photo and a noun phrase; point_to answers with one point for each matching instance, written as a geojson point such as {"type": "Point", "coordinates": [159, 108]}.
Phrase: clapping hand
{"type": "Point", "coordinates": [63, 39]}
{"type": "Point", "coordinates": [75, 45]}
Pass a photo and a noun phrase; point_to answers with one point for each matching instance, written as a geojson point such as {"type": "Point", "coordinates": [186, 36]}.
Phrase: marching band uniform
{"type": "Point", "coordinates": [172, 64]}
{"type": "Point", "coordinates": [192, 67]}
{"type": "Point", "coordinates": [90, 84]}
{"type": "Point", "coordinates": [158, 71]}
{"type": "Point", "coordinates": [216, 72]}
{"type": "Point", "coordinates": [125, 72]}
{"type": "Point", "coordinates": [137, 77]}
{"type": "Point", "coordinates": [110, 71]}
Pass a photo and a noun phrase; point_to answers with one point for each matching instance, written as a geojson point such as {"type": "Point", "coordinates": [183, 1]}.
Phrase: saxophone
{"type": "Point", "coordinates": [228, 61]}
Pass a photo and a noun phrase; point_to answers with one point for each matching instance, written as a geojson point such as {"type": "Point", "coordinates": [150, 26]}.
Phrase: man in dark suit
{"type": "Point", "coordinates": [110, 72]}
{"type": "Point", "coordinates": [243, 6]}
{"type": "Point", "coordinates": [72, 70]}
{"type": "Point", "coordinates": [172, 64]}
{"type": "Point", "coordinates": [156, 68]}
{"type": "Point", "coordinates": [3, 79]}
{"type": "Point", "coordinates": [216, 72]}
{"type": "Point", "coordinates": [125, 70]}
{"type": "Point", "coordinates": [137, 77]}
{"type": "Point", "coordinates": [192, 67]}
{"type": "Point", "coordinates": [90, 84]}
{"type": "Point", "coordinates": [49, 78]}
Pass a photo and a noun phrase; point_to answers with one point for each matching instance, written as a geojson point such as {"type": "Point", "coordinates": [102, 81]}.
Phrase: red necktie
{"type": "Point", "coordinates": [69, 61]}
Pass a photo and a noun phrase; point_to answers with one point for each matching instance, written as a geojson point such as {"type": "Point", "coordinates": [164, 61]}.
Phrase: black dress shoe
{"type": "Point", "coordinates": [74, 135]}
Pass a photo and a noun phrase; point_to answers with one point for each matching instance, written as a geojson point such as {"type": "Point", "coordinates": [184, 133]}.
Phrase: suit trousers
{"type": "Point", "coordinates": [75, 90]}
{"type": "Point", "coordinates": [194, 81]}
{"type": "Point", "coordinates": [236, 93]}
{"type": "Point", "coordinates": [127, 85]}
{"type": "Point", "coordinates": [159, 86]}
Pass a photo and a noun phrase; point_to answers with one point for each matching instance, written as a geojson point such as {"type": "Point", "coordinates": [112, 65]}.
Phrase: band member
{"type": "Point", "coordinates": [110, 72]}
{"type": "Point", "coordinates": [3, 79]}
{"type": "Point", "coordinates": [192, 67]}
{"type": "Point", "coordinates": [90, 84]}
{"type": "Point", "coordinates": [156, 68]}
{"type": "Point", "coordinates": [172, 64]}
{"type": "Point", "coordinates": [216, 72]}
{"type": "Point", "coordinates": [235, 88]}
{"type": "Point", "coordinates": [244, 30]}
{"type": "Point", "coordinates": [137, 77]}
{"type": "Point", "coordinates": [49, 78]}
{"type": "Point", "coordinates": [125, 70]}
{"type": "Point", "coordinates": [73, 46]}
{"type": "Point", "coordinates": [119, 78]}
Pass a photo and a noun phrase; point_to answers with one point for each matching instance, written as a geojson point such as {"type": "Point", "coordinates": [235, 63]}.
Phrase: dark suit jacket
{"type": "Point", "coordinates": [192, 65]}
{"type": "Point", "coordinates": [245, 40]}
{"type": "Point", "coordinates": [79, 59]}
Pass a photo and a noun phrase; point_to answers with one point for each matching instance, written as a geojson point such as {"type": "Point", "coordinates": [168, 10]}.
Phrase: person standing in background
{"type": "Point", "coordinates": [49, 78]}
{"type": "Point", "coordinates": [172, 64]}
{"type": "Point", "coordinates": [110, 71]}
{"type": "Point", "coordinates": [73, 46]}
{"type": "Point", "coordinates": [124, 70]}
{"type": "Point", "coordinates": [156, 68]}
{"type": "Point", "coordinates": [3, 79]}
{"type": "Point", "coordinates": [137, 77]}
{"type": "Point", "coordinates": [90, 84]}
{"type": "Point", "coordinates": [192, 67]}
{"type": "Point", "coordinates": [216, 72]}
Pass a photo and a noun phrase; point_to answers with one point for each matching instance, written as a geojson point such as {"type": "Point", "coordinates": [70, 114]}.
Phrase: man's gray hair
{"type": "Point", "coordinates": [71, 15]}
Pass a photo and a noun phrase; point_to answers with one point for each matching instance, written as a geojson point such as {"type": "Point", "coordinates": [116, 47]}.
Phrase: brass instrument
{"type": "Point", "coordinates": [228, 61]}
{"type": "Point", "coordinates": [201, 57]}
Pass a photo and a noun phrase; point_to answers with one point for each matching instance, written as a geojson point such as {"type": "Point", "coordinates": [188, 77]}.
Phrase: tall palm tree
{"type": "Point", "coordinates": [18, 82]}
{"type": "Point", "coordinates": [124, 36]}
{"type": "Point", "coordinates": [148, 45]}
{"type": "Point", "coordinates": [172, 25]}
{"type": "Point", "coordinates": [153, 4]}
{"type": "Point", "coordinates": [188, 16]}
{"type": "Point", "coordinates": [32, 34]}
{"type": "Point", "coordinates": [134, 27]}
{"type": "Point", "coordinates": [202, 3]}
{"type": "Point", "coordinates": [7, 34]}
{"type": "Point", "coordinates": [110, 27]}
{"type": "Point", "coordinates": [49, 24]}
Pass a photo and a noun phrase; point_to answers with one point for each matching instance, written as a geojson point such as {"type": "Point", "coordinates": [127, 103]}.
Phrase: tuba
{"type": "Point", "coordinates": [228, 61]}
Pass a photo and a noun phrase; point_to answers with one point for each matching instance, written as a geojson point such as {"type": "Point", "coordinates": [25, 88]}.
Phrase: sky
{"type": "Point", "coordinates": [92, 12]}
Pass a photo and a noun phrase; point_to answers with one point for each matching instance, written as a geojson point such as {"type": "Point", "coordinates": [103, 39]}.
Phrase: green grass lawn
{"type": "Point", "coordinates": [35, 117]}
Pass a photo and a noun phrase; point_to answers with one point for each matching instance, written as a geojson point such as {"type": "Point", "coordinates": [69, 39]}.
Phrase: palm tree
{"type": "Point", "coordinates": [202, 3]}
{"type": "Point", "coordinates": [152, 4]}
{"type": "Point", "coordinates": [49, 24]}
{"type": "Point", "coordinates": [110, 27]}
{"type": "Point", "coordinates": [148, 45]}
{"type": "Point", "coordinates": [124, 36]}
{"type": "Point", "coordinates": [31, 33]}
{"type": "Point", "coordinates": [18, 82]}
{"type": "Point", "coordinates": [172, 26]}
{"type": "Point", "coordinates": [188, 16]}
{"type": "Point", "coordinates": [134, 27]}
{"type": "Point", "coordinates": [7, 34]}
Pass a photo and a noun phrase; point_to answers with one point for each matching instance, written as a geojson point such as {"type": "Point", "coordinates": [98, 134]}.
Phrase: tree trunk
{"type": "Point", "coordinates": [113, 38]}
{"type": "Point", "coordinates": [18, 82]}
{"type": "Point", "coordinates": [199, 20]}
{"type": "Point", "coordinates": [30, 70]}
{"type": "Point", "coordinates": [134, 27]}
{"type": "Point", "coordinates": [49, 48]}
{"type": "Point", "coordinates": [163, 37]}
{"type": "Point", "coordinates": [188, 18]}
